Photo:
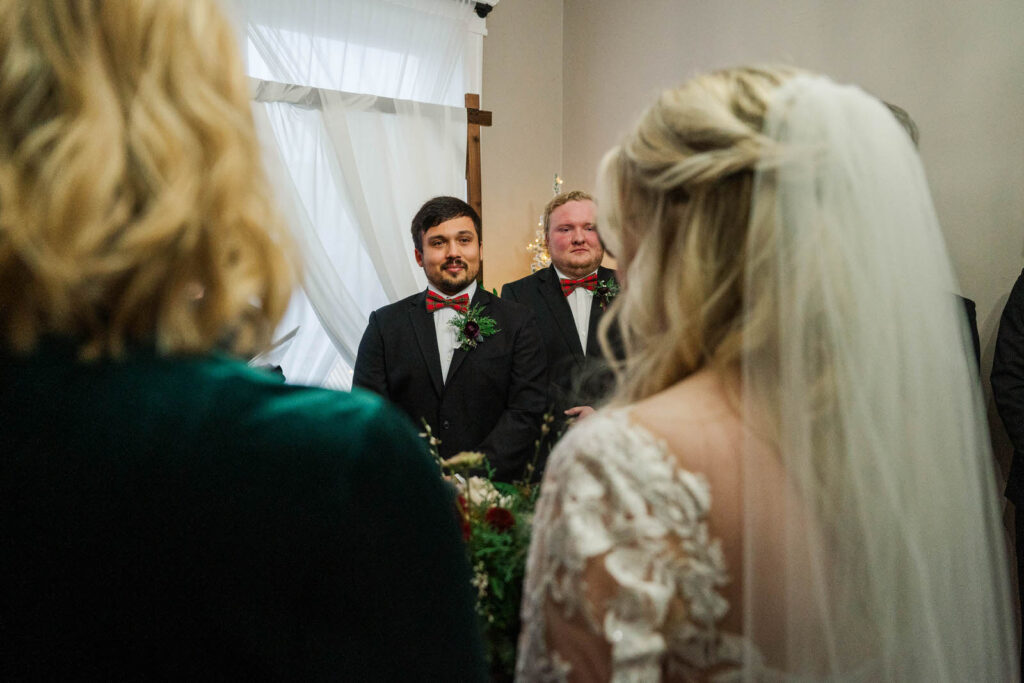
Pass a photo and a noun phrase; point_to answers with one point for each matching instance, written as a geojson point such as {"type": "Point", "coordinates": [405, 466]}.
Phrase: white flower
{"type": "Point", "coordinates": [480, 580]}
{"type": "Point", "coordinates": [480, 491]}
{"type": "Point", "coordinates": [464, 459]}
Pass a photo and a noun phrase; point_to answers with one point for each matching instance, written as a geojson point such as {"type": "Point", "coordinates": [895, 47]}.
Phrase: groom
{"type": "Point", "coordinates": [488, 397]}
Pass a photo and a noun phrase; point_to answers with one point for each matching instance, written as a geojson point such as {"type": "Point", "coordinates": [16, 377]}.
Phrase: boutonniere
{"type": "Point", "coordinates": [473, 327]}
{"type": "Point", "coordinates": [605, 291]}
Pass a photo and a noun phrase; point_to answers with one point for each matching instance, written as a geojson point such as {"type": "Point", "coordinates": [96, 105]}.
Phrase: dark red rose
{"type": "Point", "coordinates": [471, 330]}
{"type": "Point", "coordinates": [603, 291]}
{"type": "Point", "coordinates": [500, 519]}
{"type": "Point", "coordinates": [463, 512]}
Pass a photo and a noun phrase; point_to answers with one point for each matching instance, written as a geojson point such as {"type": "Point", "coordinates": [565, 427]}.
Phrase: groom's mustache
{"type": "Point", "coordinates": [455, 262]}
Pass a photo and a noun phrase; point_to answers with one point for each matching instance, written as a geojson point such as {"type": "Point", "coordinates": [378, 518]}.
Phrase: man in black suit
{"type": "Point", "coordinates": [488, 398]}
{"type": "Point", "coordinates": [1008, 392]}
{"type": "Point", "coordinates": [569, 298]}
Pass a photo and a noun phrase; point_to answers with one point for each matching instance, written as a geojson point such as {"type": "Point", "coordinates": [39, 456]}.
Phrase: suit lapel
{"type": "Point", "coordinates": [422, 323]}
{"type": "Point", "coordinates": [480, 297]}
{"type": "Point", "coordinates": [551, 292]}
{"type": "Point", "coordinates": [593, 344]}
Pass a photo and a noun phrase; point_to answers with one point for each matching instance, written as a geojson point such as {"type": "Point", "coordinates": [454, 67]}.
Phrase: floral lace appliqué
{"type": "Point", "coordinates": [613, 494]}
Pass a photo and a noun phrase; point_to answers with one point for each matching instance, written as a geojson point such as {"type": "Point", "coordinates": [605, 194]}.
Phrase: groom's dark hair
{"type": "Point", "coordinates": [438, 210]}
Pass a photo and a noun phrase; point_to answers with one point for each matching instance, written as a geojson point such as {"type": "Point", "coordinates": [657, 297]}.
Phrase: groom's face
{"type": "Point", "coordinates": [451, 254]}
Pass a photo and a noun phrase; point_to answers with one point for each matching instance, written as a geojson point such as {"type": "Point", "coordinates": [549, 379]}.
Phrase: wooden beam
{"type": "Point", "coordinates": [474, 188]}
{"type": "Point", "coordinates": [473, 177]}
{"type": "Point", "coordinates": [478, 117]}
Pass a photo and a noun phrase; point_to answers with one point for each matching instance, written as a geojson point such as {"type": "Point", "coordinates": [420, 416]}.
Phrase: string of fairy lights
{"type": "Point", "coordinates": [539, 246]}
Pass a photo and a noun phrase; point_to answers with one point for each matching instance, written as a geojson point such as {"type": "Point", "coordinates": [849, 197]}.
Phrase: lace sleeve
{"type": "Point", "coordinates": [622, 581]}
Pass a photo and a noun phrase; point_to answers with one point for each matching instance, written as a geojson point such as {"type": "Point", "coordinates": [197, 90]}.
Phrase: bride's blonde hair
{"type": "Point", "coordinates": [133, 203]}
{"type": "Point", "coordinates": [676, 200]}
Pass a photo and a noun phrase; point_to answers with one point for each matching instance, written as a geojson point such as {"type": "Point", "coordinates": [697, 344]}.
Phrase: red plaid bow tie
{"type": "Point", "coordinates": [569, 286]}
{"type": "Point", "coordinates": [436, 301]}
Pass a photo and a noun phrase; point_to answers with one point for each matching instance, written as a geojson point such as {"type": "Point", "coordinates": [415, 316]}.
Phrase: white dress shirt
{"type": "Point", "coordinates": [446, 334]}
{"type": "Point", "coordinates": [580, 303]}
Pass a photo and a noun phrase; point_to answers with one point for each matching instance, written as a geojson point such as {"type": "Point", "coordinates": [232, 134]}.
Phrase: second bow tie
{"type": "Point", "coordinates": [569, 286]}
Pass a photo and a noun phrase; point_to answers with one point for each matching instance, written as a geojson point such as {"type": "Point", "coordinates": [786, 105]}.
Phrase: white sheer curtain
{"type": "Point", "coordinates": [404, 49]}
{"type": "Point", "coordinates": [359, 104]}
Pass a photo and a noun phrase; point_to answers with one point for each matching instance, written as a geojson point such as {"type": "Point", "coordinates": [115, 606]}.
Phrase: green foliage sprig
{"type": "Point", "coordinates": [473, 327]}
{"type": "Point", "coordinates": [606, 291]}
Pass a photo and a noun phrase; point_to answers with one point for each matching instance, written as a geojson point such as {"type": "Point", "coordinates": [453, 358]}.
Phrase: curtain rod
{"type": "Point", "coordinates": [309, 96]}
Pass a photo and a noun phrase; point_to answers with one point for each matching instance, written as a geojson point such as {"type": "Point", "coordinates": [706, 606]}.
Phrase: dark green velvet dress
{"type": "Point", "coordinates": [192, 518]}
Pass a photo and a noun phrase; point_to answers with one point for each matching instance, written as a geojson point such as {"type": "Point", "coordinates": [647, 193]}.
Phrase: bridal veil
{"type": "Point", "coordinates": [872, 544]}
{"type": "Point", "coordinates": [856, 366]}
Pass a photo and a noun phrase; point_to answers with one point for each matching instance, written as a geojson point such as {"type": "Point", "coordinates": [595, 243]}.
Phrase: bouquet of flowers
{"type": "Point", "coordinates": [496, 523]}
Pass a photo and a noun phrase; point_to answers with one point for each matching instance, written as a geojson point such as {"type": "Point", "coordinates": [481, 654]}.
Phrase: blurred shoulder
{"type": "Point", "coordinates": [607, 438]}
{"type": "Point", "coordinates": [699, 419]}
{"type": "Point", "coordinates": [696, 422]}
{"type": "Point", "coordinates": [250, 409]}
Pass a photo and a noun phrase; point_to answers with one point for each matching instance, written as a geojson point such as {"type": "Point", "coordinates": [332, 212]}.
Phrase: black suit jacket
{"type": "Point", "coordinates": [577, 376]}
{"type": "Point", "coordinates": [493, 398]}
{"type": "Point", "coordinates": [1008, 384]}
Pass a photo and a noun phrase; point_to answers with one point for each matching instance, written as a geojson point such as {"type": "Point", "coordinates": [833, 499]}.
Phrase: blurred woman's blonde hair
{"type": "Point", "coordinates": [133, 203]}
{"type": "Point", "coordinates": [676, 200]}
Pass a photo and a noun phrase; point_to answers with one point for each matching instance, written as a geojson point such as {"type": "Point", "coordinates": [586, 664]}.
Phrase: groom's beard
{"type": "Point", "coordinates": [450, 281]}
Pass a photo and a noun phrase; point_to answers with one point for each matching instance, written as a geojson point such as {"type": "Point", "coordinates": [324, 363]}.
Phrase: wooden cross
{"type": "Point", "coordinates": [475, 117]}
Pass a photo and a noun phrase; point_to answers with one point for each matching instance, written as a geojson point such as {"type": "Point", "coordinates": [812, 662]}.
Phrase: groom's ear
{"type": "Point", "coordinates": [419, 257]}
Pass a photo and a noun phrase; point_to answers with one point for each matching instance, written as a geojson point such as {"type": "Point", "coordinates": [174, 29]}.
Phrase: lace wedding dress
{"type": "Point", "coordinates": [623, 566]}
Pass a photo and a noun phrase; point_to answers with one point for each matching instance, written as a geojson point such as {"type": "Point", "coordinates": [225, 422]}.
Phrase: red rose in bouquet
{"type": "Point", "coordinates": [463, 510]}
{"type": "Point", "coordinates": [499, 519]}
{"type": "Point", "coordinates": [495, 519]}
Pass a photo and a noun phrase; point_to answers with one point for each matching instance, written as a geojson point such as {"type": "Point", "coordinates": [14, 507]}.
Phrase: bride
{"type": "Point", "coordinates": [794, 479]}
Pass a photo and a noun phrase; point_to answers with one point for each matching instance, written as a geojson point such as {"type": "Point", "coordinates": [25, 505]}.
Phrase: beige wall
{"type": "Point", "coordinates": [521, 152]}
{"type": "Point", "coordinates": [958, 68]}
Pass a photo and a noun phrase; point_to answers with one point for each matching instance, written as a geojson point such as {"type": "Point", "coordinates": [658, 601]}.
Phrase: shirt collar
{"type": "Point", "coordinates": [563, 276]}
{"type": "Point", "coordinates": [468, 289]}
